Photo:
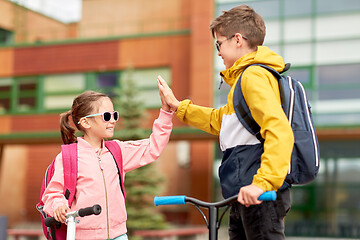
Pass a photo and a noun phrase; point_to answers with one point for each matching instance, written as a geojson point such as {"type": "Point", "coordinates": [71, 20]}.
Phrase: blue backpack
{"type": "Point", "coordinates": [304, 165]}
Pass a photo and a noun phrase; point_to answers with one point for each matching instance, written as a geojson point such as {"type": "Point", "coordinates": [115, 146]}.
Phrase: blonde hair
{"type": "Point", "coordinates": [241, 19]}
{"type": "Point", "coordinates": [83, 105]}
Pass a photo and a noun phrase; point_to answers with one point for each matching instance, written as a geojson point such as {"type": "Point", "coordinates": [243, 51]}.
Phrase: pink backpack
{"type": "Point", "coordinates": [69, 156]}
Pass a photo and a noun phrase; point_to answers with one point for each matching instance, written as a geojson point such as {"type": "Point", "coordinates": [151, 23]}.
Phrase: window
{"type": "Point", "coordinates": [5, 91]}
{"type": "Point", "coordinates": [273, 32]}
{"type": "Point", "coordinates": [338, 101]}
{"type": "Point", "coordinates": [18, 95]}
{"type": "Point", "coordinates": [60, 90]}
{"type": "Point", "coordinates": [26, 89]}
{"type": "Point", "coordinates": [297, 30]}
{"type": "Point", "coordinates": [107, 82]}
{"type": "Point", "coordinates": [5, 36]}
{"type": "Point", "coordinates": [297, 8]}
{"type": "Point", "coordinates": [339, 82]}
{"type": "Point", "coordinates": [298, 54]}
{"type": "Point", "coordinates": [325, 27]}
{"type": "Point", "coordinates": [55, 93]}
{"type": "Point", "coordinates": [301, 74]}
{"type": "Point", "coordinates": [339, 74]}
{"type": "Point", "coordinates": [55, 84]}
{"type": "Point", "coordinates": [332, 6]}
{"type": "Point", "coordinates": [145, 80]}
{"type": "Point", "coordinates": [328, 206]}
{"type": "Point", "coordinates": [266, 8]}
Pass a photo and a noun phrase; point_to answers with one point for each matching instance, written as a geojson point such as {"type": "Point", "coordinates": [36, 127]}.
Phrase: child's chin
{"type": "Point", "coordinates": [109, 135]}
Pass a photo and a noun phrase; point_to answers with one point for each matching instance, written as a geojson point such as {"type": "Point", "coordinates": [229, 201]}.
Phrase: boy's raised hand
{"type": "Point", "coordinates": [166, 94]}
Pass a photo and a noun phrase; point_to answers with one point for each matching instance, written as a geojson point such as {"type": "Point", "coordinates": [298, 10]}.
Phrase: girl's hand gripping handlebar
{"type": "Point", "coordinates": [96, 210]}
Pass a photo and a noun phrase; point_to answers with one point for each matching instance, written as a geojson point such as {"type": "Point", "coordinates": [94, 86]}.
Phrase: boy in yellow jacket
{"type": "Point", "coordinates": [249, 167]}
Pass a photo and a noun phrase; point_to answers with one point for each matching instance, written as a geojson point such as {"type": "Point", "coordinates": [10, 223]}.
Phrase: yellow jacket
{"type": "Point", "coordinates": [261, 92]}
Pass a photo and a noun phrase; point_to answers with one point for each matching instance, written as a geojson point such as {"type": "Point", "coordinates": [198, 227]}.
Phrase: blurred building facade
{"type": "Point", "coordinates": [45, 63]}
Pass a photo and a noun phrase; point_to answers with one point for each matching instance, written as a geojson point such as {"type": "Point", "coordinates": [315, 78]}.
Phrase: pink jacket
{"type": "Point", "coordinates": [95, 188]}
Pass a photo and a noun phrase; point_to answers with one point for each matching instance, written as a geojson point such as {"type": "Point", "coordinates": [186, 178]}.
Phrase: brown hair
{"type": "Point", "coordinates": [241, 19]}
{"type": "Point", "coordinates": [84, 104]}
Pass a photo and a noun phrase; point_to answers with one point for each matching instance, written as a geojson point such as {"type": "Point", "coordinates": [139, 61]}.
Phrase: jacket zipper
{"type": "Point", "coordinates": [106, 198]}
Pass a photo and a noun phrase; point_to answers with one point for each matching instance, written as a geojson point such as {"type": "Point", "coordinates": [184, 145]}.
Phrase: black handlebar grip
{"type": "Point", "coordinates": [50, 221]}
{"type": "Point", "coordinates": [96, 209]}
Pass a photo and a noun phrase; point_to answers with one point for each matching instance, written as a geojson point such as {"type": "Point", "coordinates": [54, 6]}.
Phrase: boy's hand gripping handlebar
{"type": "Point", "coordinates": [213, 223]}
{"type": "Point", "coordinates": [268, 196]}
{"type": "Point", "coordinates": [181, 199]}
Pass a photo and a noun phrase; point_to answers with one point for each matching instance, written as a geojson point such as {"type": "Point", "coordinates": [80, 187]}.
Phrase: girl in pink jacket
{"type": "Point", "coordinates": [98, 180]}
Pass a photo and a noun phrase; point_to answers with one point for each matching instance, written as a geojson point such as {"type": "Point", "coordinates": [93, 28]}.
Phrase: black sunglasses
{"type": "Point", "coordinates": [106, 116]}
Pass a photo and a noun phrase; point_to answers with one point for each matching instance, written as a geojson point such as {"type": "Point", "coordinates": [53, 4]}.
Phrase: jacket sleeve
{"type": "Point", "coordinates": [139, 153]}
{"type": "Point", "coordinates": [203, 118]}
{"type": "Point", "coordinates": [261, 93]}
{"type": "Point", "coordinates": [53, 196]}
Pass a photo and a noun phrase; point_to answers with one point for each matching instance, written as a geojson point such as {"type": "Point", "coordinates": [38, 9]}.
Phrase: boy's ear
{"type": "Point", "coordinates": [239, 38]}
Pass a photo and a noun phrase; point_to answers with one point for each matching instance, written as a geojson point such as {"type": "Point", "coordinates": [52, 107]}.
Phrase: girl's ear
{"type": "Point", "coordinates": [85, 123]}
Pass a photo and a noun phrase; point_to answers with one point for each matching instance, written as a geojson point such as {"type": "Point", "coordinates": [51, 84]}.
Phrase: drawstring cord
{"type": "Point", "coordinates": [221, 82]}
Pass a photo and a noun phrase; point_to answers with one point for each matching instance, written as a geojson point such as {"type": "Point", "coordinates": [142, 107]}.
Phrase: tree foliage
{"type": "Point", "coordinates": [142, 184]}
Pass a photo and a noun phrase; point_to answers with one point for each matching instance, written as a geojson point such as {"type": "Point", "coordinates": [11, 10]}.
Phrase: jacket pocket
{"type": "Point", "coordinates": [238, 167]}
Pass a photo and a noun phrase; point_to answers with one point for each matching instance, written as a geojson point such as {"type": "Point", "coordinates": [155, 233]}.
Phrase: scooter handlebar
{"type": "Point", "coordinates": [96, 210]}
{"type": "Point", "coordinates": [50, 221]}
{"type": "Point", "coordinates": [268, 196]}
{"type": "Point", "coordinates": [181, 199]}
{"type": "Point", "coordinates": [169, 200]}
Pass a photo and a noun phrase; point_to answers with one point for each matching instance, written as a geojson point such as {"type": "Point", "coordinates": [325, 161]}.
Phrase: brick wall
{"type": "Point", "coordinates": [78, 57]}
{"type": "Point", "coordinates": [6, 62]}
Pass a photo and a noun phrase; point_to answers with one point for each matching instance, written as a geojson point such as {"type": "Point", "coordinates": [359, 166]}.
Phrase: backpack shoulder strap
{"type": "Point", "coordinates": [242, 110]}
{"type": "Point", "coordinates": [115, 150]}
{"type": "Point", "coordinates": [69, 156]}
{"type": "Point", "coordinates": [273, 71]}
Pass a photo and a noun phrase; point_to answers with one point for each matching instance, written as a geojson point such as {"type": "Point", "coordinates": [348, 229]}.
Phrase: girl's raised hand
{"type": "Point", "coordinates": [167, 95]}
{"type": "Point", "coordinates": [164, 105]}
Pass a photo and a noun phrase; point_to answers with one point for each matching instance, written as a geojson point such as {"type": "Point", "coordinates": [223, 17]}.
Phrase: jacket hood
{"type": "Point", "coordinates": [263, 55]}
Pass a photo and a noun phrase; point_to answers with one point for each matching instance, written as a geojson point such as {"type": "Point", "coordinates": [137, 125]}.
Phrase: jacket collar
{"type": "Point", "coordinates": [82, 143]}
{"type": "Point", "coordinates": [263, 55]}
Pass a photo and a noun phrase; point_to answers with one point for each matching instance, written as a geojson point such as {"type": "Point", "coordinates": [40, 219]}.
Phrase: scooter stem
{"type": "Point", "coordinates": [71, 225]}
